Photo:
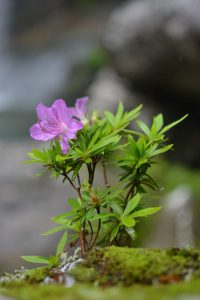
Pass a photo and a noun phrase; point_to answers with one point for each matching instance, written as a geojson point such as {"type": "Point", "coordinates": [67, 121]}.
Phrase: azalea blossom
{"type": "Point", "coordinates": [58, 122]}
{"type": "Point", "coordinates": [80, 109]}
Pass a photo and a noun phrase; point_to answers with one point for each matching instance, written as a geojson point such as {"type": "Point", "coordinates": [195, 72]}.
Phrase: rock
{"type": "Point", "coordinates": [107, 90]}
{"type": "Point", "coordinates": [175, 223]}
{"type": "Point", "coordinates": [156, 44]}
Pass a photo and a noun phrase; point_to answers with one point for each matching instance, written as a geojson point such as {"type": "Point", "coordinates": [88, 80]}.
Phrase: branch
{"type": "Point", "coordinates": [105, 175]}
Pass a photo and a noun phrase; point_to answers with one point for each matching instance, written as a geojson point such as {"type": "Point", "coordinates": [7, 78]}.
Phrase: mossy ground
{"type": "Point", "coordinates": [139, 274]}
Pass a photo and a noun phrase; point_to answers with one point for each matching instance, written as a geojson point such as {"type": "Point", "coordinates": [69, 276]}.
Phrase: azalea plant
{"type": "Point", "coordinates": [81, 146]}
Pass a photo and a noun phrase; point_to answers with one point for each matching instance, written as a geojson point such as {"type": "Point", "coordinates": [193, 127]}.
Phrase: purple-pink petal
{"type": "Point", "coordinates": [63, 140]}
{"type": "Point", "coordinates": [58, 122]}
{"type": "Point", "coordinates": [45, 113]}
{"type": "Point", "coordinates": [62, 112]}
{"type": "Point", "coordinates": [38, 134]}
{"type": "Point", "coordinates": [81, 104]}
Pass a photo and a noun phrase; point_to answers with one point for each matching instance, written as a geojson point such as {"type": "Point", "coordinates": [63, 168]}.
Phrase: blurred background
{"type": "Point", "coordinates": [141, 51]}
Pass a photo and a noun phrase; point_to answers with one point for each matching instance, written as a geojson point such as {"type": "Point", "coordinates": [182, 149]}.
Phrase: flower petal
{"type": "Point", "coordinates": [73, 127]}
{"type": "Point", "coordinates": [38, 134]}
{"type": "Point", "coordinates": [63, 140]}
{"type": "Point", "coordinates": [62, 112]}
{"type": "Point", "coordinates": [81, 104]}
{"type": "Point", "coordinates": [45, 113]}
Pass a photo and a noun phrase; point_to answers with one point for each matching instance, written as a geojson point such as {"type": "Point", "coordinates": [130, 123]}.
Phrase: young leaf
{"type": "Point", "coordinates": [159, 122]}
{"type": "Point", "coordinates": [144, 127]}
{"type": "Point", "coordinates": [161, 150]}
{"type": "Point", "coordinates": [132, 204]}
{"type": "Point", "coordinates": [145, 212]}
{"type": "Point", "coordinates": [54, 230]}
{"type": "Point", "coordinates": [114, 232]}
{"type": "Point", "coordinates": [127, 221]}
{"type": "Point", "coordinates": [61, 244]}
{"type": "Point", "coordinates": [74, 203]}
{"type": "Point", "coordinates": [166, 128]}
{"type": "Point", "coordinates": [36, 259]}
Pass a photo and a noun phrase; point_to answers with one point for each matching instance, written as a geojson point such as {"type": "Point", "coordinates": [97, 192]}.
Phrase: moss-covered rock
{"type": "Point", "coordinates": [114, 265]}
{"type": "Point", "coordinates": [139, 274]}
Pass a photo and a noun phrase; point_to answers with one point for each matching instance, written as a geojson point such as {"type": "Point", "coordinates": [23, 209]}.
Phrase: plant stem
{"type": "Point", "coordinates": [130, 191]}
{"type": "Point", "coordinates": [105, 175]}
{"type": "Point", "coordinates": [81, 238]}
{"type": "Point", "coordinates": [98, 230]}
{"type": "Point", "coordinates": [92, 233]}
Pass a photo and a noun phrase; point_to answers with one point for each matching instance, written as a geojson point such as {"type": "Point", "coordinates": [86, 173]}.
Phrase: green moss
{"type": "Point", "coordinates": [84, 274]}
{"type": "Point", "coordinates": [37, 274]}
{"type": "Point", "coordinates": [120, 273]}
{"type": "Point", "coordinates": [127, 266]}
{"type": "Point", "coordinates": [85, 292]}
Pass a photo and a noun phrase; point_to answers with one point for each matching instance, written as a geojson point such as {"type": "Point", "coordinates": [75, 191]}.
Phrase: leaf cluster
{"type": "Point", "coordinates": [109, 215]}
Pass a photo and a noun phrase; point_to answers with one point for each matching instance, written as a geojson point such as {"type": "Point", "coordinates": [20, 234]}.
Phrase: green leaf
{"type": "Point", "coordinates": [74, 203]}
{"type": "Point", "coordinates": [166, 128]}
{"type": "Point", "coordinates": [161, 150]}
{"type": "Point", "coordinates": [133, 147]}
{"type": "Point", "coordinates": [110, 117]}
{"type": "Point", "coordinates": [53, 261]}
{"type": "Point", "coordinates": [132, 204]}
{"type": "Point", "coordinates": [54, 230]}
{"type": "Point", "coordinates": [145, 212]}
{"type": "Point", "coordinates": [159, 122]}
{"type": "Point", "coordinates": [119, 113]}
{"type": "Point", "coordinates": [116, 208]}
{"type": "Point", "coordinates": [114, 232]}
{"type": "Point", "coordinates": [144, 127]}
{"type": "Point", "coordinates": [36, 259]}
{"type": "Point", "coordinates": [128, 221]}
{"type": "Point", "coordinates": [61, 244]}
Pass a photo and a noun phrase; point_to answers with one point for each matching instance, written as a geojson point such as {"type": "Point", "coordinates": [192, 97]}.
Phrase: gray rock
{"type": "Point", "coordinates": [156, 44]}
{"type": "Point", "coordinates": [107, 90]}
{"type": "Point", "coordinates": [175, 223]}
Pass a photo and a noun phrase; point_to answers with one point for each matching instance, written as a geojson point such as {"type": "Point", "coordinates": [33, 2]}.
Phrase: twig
{"type": "Point", "coordinates": [92, 233]}
{"type": "Point", "coordinates": [105, 176]}
{"type": "Point", "coordinates": [98, 230]}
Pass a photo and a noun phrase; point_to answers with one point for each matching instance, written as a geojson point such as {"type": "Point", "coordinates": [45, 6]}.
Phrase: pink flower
{"type": "Point", "coordinates": [80, 109]}
{"type": "Point", "coordinates": [57, 122]}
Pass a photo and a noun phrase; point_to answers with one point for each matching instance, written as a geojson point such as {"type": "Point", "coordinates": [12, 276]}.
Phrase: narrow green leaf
{"type": "Point", "coordinates": [159, 121]}
{"type": "Point", "coordinates": [54, 230]}
{"type": "Point", "coordinates": [74, 203]}
{"type": "Point", "coordinates": [61, 244]}
{"type": "Point", "coordinates": [166, 128]}
{"type": "Point", "coordinates": [110, 117]}
{"type": "Point", "coordinates": [114, 232]}
{"type": "Point", "coordinates": [132, 204]}
{"type": "Point", "coordinates": [145, 212]}
{"type": "Point", "coordinates": [119, 114]}
{"type": "Point", "coordinates": [161, 150]}
{"type": "Point", "coordinates": [36, 259]}
{"type": "Point", "coordinates": [143, 127]}
{"type": "Point", "coordinates": [128, 221]}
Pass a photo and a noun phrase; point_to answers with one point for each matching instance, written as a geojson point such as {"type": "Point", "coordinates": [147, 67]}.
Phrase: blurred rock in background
{"type": "Point", "coordinates": [175, 224]}
{"type": "Point", "coordinates": [154, 46]}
